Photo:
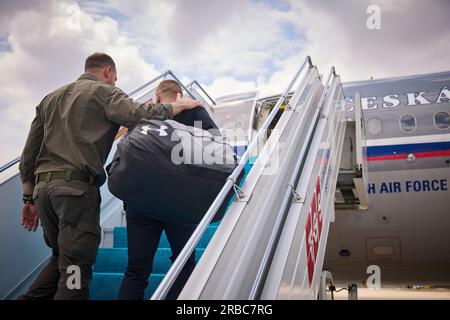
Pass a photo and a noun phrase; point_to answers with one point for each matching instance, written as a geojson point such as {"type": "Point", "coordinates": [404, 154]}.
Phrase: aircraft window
{"type": "Point", "coordinates": [374, 126]}
{"type": "Point", "coordinates": [408, 123]}
{"type": "Point", "coordinates": [442, 120]}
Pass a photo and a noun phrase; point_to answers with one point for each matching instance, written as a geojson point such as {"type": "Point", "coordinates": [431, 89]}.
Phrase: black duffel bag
{"type": "Point", "coordinates": [171, 172]}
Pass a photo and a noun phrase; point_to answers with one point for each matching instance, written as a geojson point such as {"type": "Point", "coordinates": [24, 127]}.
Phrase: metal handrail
{"type": "Point", "coordinates": [9, 164]}
{"type": "Point", "coordinates": [269, 253]}
{"type": "Point", "coordinates": [166, 284]}
{"type": "Point", "coordinates": [201, 88]}
{"type": "Point", "coordinates": [182, 85]}
{"type": "Point", "coordinates": [165, 74]}
{"type": "Point", "coordinates": [150, 82]}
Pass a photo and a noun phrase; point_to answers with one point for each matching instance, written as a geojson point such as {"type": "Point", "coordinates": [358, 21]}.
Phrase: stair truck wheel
{"type": "Point", "coordinates": [326, 281]}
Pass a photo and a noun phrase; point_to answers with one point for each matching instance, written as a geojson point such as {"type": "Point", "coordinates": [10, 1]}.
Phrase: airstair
{"type": "Point", "coordinates": [271, 242]}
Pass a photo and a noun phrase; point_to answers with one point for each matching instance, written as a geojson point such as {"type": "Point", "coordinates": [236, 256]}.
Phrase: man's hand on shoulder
{"type": "Point", "coordinates": [184, 103]}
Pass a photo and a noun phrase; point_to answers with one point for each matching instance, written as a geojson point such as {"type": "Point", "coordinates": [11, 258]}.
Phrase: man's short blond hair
{"type": "Point", "coordinates": [169, 89]}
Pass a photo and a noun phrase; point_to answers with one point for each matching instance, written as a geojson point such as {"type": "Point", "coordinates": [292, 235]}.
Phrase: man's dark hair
{"type": "Point", "coordinates": [99, 60]}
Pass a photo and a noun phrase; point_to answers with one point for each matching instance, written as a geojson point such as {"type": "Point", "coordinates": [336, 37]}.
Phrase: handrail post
{"type": "Point", "coordinates": [182, 258]}
{"type": "Point", "coordinates": [203, 90]}
{"type": "Point", "coordinates": [309, 61]}
{"type": "Point", "coordinates": [162, 75]}
{"type": "Point", "coordinates": [181, 84]}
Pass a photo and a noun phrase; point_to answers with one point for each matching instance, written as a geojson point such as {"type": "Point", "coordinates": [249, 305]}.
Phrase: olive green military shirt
{"type": "Point", "coordinates": [75, 127]}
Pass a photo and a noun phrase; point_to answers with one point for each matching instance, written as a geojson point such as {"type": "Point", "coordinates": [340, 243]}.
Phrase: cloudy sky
{"type": "Point", "coordinates": [229, 46]}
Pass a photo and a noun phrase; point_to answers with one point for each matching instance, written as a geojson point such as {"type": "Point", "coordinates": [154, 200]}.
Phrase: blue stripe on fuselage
{"type": "Point", "coordinates": [374, 151]}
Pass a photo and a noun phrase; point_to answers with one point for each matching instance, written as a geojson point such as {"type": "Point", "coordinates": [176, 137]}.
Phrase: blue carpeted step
{"type": "Point", "coordinates": [115, 260]}
{"type": "Point", "coordinates": [120, 238]}
{"type": "Point", "coordinates": [105, 286]}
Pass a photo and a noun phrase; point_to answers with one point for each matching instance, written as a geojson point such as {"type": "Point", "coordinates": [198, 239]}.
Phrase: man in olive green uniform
{"type": "Point", "coordinates": [62, 169]}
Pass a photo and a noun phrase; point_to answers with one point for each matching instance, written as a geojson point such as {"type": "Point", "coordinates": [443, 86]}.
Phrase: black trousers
{"type": "Point", "coordinates": [143, 235]}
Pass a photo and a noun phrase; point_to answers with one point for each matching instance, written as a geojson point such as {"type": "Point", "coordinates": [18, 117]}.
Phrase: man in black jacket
{"type": "Point", "coordinates": [144, 232]}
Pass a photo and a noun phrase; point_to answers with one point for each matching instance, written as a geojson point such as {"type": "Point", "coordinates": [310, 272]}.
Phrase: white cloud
{"type": "Point", "coordinates": [228, 85]}
{"type": "Point", "coordinates": [209, 38]}
{"type": "Point", "coordinates": [48, 50]}
{"type": "Point", "coordinates": [411, 39]}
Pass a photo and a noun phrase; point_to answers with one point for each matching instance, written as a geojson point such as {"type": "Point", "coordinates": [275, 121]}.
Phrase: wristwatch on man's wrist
{"type": "Point", "coordinates": [27, 199]}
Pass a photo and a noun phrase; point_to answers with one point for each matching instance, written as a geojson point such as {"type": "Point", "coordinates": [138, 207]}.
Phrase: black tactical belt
{"type": "Point", "coordinates": [64, 175]}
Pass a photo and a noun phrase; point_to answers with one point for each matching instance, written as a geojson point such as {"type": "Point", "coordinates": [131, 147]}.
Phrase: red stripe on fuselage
{"type": "Point", "coordinates": [426, 154]}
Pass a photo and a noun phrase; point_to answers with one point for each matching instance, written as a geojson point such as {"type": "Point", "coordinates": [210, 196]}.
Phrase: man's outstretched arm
{"type": "Point", "coordinates": [121, 109]}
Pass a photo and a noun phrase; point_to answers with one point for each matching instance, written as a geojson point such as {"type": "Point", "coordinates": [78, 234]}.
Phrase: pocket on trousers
{"type": "Point", "coordinates": [79, 244]}
{"type": "Point", "coordinates": [67, 191]}
{"type": "Point", "coordinates": [78, 212]}
{"type": "Point", "coordinates": [69, 203]}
